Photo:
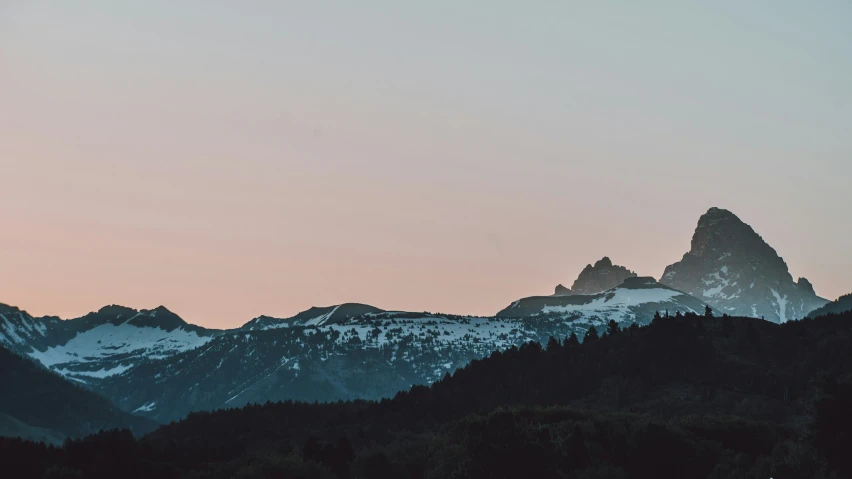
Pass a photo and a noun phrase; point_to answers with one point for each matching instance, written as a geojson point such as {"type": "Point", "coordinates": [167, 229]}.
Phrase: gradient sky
{"type": "Point", "coordinates": [261, 157]}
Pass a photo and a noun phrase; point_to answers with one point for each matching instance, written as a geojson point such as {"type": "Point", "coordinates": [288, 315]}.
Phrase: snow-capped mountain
{"type": "Point", "coordinates": [110, 341]}
{"type": "Point", "coordinates": [598, 278]}
{"type": "Point", "coordinates": [316, 316]}
{"type": "Point", "coordinates": [369, 356]}
{"type": "Point", "coordinates": [734, 270]}
{"type": "Point", "coordinates": [20, 332]}
{"type": "Point", "coordinates": [637, 299]}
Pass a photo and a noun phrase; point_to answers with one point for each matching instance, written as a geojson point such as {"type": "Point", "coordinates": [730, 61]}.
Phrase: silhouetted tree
{"type": "Point", "coordinates": [708, 312]}
{"type": "Point", "coordinates": [552, 344]}
{"type": "Point", "coordinates": [591, 335]}
{"type": "Point", "coordinates": [612, 328]}
{"type": "Point", "coordinates": [571, 340]}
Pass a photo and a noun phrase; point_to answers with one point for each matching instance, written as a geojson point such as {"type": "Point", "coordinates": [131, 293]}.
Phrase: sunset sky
{"type": "Point", "coordinates": [251, 158]}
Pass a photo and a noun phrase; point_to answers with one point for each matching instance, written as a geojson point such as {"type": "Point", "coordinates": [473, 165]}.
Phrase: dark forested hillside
{"type": "Point", "coordinates": [840, 305]}
{"type": "Point", "coordinates": [687, 396]}
{"type": "Point", "coordinates": [37, 398]}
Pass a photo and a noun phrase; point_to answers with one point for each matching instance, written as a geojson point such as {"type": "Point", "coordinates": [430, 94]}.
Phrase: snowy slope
{"type": "Point", "coordinates": [635, 300]}
{"type": "Point", "coordinates": [315, 316]}
{"type": "Point", "coordinates": [100, 344]}
{"type": "Point", "coordinates": [372, 355]}
{"type": "Point", "coordinates": [19, 331]}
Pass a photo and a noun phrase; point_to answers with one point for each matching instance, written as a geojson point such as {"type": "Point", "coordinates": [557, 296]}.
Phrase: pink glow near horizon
{"type": "Point", "coordinates": [235, 163]}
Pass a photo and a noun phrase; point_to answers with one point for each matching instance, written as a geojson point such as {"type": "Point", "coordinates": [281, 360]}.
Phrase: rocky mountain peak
{"type": "Point", "coordinates": [805, 285]}
{"type": "Point", "coordinates": [731, 267]}
{"type": "Point", "coordinates": [604, 262]}
{"type": "Point", "coordinates": [561, 290]}
{"type": "Point", "coordinates": [602, 276]}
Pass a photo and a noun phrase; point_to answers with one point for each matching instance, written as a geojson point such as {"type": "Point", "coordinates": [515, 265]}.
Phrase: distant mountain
{"type": "Point", "coordinates": [734, 270]}
{"type": "Point", "coordinates": [315, 316]}
{"type": "Point", "coordinates": [840, 305]}
{"type": "Point", "coordinates": [38, 402]}
{"type": "Point", "coordinates": [153, 364]}
{"type": "Point", "coordinates": [21, 333]}
{"type": "Point", "coordinates": [596, 279]}
{"type": "Point", "coordinates": [99, 344]}
{"type": "Point", "coordinates": [371, 355]}
{"type": "Point", "coordinates": [634, 300]}
{"type": "Point", "coordinates": [690, 397]}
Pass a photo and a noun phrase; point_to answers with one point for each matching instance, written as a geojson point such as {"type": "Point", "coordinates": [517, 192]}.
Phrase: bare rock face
{"type": "Point", "coordinates": [561, 290]}
{"type": "Point", "coordinates": [805, 285]}
{"type": "Point", "coordinates": [602, 276]}
{"type": "Point", "coordinates": [736, 272]}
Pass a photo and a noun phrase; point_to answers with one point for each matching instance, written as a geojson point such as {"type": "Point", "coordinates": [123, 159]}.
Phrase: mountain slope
{"type": "Point", "coordinates": [371, 356]}
{"type": "Point", "coordinates": [840, 305]}
{"type": "Point", "coordinates": [315, 316]}
{"type": "Point", "coordinates": [734, 270]}
{"type": "Point", "coordinates": [20, 332]}
{"type": "Point", "coordinates": [11, 427]}
{"type": "Point", "coordinates": [635, 300]}
{"type": "Point", "coordinates": [99, 344]}
{"type": "Point", "coordinates": [44, 400]}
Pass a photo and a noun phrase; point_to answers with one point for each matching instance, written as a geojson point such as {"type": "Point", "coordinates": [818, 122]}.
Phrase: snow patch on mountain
{"type": "Point", "coordinates": [617, 304]}
{"type": "Point", "coordinates": [109, 349]}
{"type": "Point", "coordinates": [321, 319]}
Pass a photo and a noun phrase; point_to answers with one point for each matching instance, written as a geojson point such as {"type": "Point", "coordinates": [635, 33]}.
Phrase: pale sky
{"type": "Point", "coordinates": [262, 157]}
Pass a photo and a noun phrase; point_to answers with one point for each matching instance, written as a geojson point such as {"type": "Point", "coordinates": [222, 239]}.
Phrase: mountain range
{"type": "Point", "coordinates": [153, 364]}
{"type": "Point", "coordinates": [722, 397]}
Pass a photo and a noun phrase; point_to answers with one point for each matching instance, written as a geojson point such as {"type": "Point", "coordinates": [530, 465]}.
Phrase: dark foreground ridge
{"type": "Point", "coordinates": [46, 405]}
{"type": "Point", "coordinates": [689, 396]}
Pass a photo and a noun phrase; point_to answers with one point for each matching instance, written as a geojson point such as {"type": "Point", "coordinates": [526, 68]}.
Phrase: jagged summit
{"type": "Point", "coordinates": [595, 279]}
{"type": "Point", "coordinates": [732, 268]}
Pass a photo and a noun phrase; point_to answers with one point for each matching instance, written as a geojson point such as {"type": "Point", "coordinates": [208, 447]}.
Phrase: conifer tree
{"type": "Point", "coordinates": [571, 340]}
{"type": "Point", "coordinates": [591, 335]}
{"type": "Point", "coordinates": [612, 328]}
{"type": "Point", "coordinates": [552, 344]}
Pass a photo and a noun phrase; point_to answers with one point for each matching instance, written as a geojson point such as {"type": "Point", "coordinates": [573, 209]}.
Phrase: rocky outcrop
{"type": "Point", "coordinates": [561, 290]}
{"type": "Point", "coordinates": [602, 276]}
